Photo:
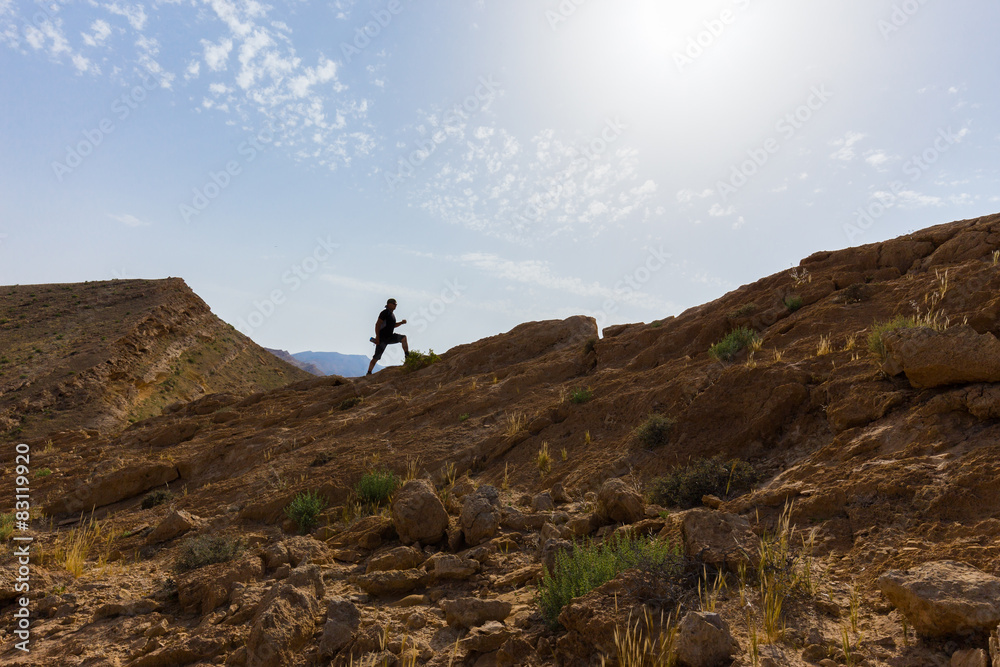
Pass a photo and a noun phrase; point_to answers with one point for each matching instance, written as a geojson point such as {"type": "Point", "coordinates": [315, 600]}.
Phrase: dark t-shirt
{"type": "Point", "coordinates": [388, 324]}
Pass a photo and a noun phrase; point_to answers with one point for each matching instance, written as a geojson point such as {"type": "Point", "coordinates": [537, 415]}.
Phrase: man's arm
{"type": "Point", "coordinates": [400, 323]}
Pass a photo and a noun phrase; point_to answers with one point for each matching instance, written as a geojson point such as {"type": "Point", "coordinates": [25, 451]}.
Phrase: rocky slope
{"type": "Point", "coordinates": [884, 465]}
{"type": "Point", "coordinates": [99, 355]}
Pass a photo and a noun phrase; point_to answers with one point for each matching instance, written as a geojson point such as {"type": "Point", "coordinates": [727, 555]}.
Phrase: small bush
{"type": "Point", "coordinates": [321, 459]}
{"type": "Point", "coordinates": [6, 526]}
{"type": "Point", "coordinates": [463, 417]}
{"type": "Point", "coordinates": [743, 311]}
{"type": "Point", "coordinates": [875, 344]}
{"type": "Point", "coordinates": [579, 396]}
{"type": "Point", "coordinates": [376, 487]}
{"type": "Point", "coordinates": [44, 472]}
{"type": "Point", "coordinates": [655, 431]}
{"type": "Point", "coordinates": [351, 402]}
{"type": "Point", "coordinates": [856, 293]}
{"type": "Point", "coordinates": [304, 510]}
{"type": "Point", "coordinates": [207, 549]}
{"type": "Point", "coordinates": [416, 360]}
{"type": "Point", "coordinates": [730, 346]}
{"type": "Point", "coordinates": [157, 497]}
{"type": "Point", "coordinates": [589, 346]}
{"type": "Point", "coordinates": [589, 565]}
{"type": "Point", "coordinates": [685, 486]}
{"type": "Point", "coordinates": [792, 303]}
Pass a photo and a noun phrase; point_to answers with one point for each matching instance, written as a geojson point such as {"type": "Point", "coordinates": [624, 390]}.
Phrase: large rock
{"type": "Point", "coordinates": [400, 558]}
{"type": "Point", "coordinates": [931, 358]}
{"type": "Point", "coordinates": [342, 621]}
{"type": "Point", "coordinates": [204, 589]}
{"type": "Point", "coordinates": [487, 638]}
{"type": "Point", "coordinates": [418, 514]}
{"type": "Point", "coordinates": [391, 582]}
{"type": "Point", "coordinates": [112, 487]}
{"type": "Point", "coordinates": [945, 597]}
{"type": "Point", "coordinates": [177, 523]}
{"type": "Point", "coordinates": [286, 619]}
{"type": "Point", "coordinates": [473, 612]}
{"type": "Point", "coordinates": [704, 640]}
{"type": "Point", "coordinates": [718, 538]}
{"type": "Point", "coordinates": [620, 502]}
{"type": "Point", "coordinates": [480, 518]}
{"type": "Point", "coordinates": [970, 657]}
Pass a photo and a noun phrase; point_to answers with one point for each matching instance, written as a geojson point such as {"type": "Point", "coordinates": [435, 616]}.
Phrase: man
{"type": "Point", "coordinates": [384, 327]}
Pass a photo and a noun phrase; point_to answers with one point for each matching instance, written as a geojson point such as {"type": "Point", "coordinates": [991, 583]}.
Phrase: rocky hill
{"type": "Point", "coordinates": [870, 536]}
{"type": "Point", "coordinates": [100, 355]}
{"type": "Point", "coordinates": [288, 357]}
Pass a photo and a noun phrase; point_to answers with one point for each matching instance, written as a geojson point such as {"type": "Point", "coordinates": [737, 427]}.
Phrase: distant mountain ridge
{"type": "Point", "coordinates": [334, 363]}
{"type": "Point", "coordinates": [287, 357]}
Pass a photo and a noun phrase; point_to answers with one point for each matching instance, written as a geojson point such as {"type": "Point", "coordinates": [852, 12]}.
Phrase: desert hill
{"type": "Point", "coordinates": [99, 355]}
{"type": "Point", "coordinates": [335, 363]}
{"type": "Point", "coordinates": [878, 445]}
{"type": "Point", "coordinates": [288, 357]}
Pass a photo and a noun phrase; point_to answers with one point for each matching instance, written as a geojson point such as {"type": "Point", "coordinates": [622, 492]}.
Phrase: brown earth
{"type": "Point", "coordinates": [886, 474]}
{"type": "Point", "coordinates": [99, 355]}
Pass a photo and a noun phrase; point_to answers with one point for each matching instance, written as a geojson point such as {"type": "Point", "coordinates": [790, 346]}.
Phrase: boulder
{"type": "Point", "coordinates": [204, 589]}
{"type": "Point", "coordinates": [560, 495]}
{"type": "Point", "coordinates": [392, 582]}
{"type": "Point", "coordinates": [418, 514]}
{"type": "Point", "coordinates": [970, 657]}
{"type": "Point", "coordinates": [619, 502]}
{"type": "Point", "coordinates": [473, 612]}
{"type": "Point", "coordinates": [718, 538]}
{"type": "Point", "coordinates": [487, 638]}
{"type": "Point", "coordinates": [400, 558]}
{"type": "Point", "coordinates": [704, 640]}
{"type": "Point", "coordinates": [930, 358]}
{"type": "Point", "coordinates": [480, 518]}
{"type": "Point", "coordinates": [177, 523]}
{"type": "Point", "coordinates": [286, 619]}
{"type": "Point", "coordinates": [944, 597]}
{"type": "Point", "coordinates": [342, 621]}
{"type": "Point", "coordinates": [112, 487]}
{"type": "Point", "coordinates": [449, 566]}
{"type": "Point", "coordinates": [543, 502]}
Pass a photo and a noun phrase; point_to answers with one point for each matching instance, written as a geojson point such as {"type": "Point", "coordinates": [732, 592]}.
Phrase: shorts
{"type": "Point", "coordinates": [390, 339]}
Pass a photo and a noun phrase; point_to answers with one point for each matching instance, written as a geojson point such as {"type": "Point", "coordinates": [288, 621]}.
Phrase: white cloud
{"type": "Point", "coordinates": [135, 14]}
{"type": "Point", "coordinates": [128, 219]}
{"type": "Point", "coordinates": [101, 32]}
{"type": "Point", "coordinates": [216, 55]}
{"type": "Point", "coordinates": [688, 196]}
{"type": "Point", "coordinates": [845, 146]}
{"type": "Point", "coordinates": [717, 211]}
{"type": "Point", "coordinates": [876, 158]}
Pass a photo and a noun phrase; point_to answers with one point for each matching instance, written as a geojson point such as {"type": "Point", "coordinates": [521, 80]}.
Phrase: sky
{"type": "Point", "coordinates": [484, 162]}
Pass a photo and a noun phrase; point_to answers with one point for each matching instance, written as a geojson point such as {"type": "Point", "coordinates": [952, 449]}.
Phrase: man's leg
{"type": "Point", "coordinates": [370, 367]}
{"type": "Point", "coordinates": [406, 348]}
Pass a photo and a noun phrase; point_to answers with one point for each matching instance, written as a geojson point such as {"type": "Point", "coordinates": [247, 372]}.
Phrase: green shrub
{"type": "Point", "coordinates": [351, 402]}
{"type": "Point", "coordinates": [157, 497]}
{"type": "Point", "coordinates": [579, 396]}
{"type": "Point", "coordinates": [875, 344]}
{"type": "Point", "coordinates": [44, 472]}
{"type": "Point", "coordinates": [655, 431]}
{"type": "Point", "coordinates": [685, 486]}
{"type": "Point", "coordinates": [6, 526]}
{"type": "Point", "coordinates": [589, 565]}
{"type": "Point", "coordinates": [376, 487]}
{"type": "Point", "coordinates": [792, 303]}
{"type": "Point", "coordinates": [207, 549]}
{"type": "Point", "coordinates": [856, 293]}
{"type": "Point", "coordinates": [463, 417]}
{"type": "Point", "coordinates": [730, 346]}
{"type": "Point", "coordinates": [416, 360]}
{"type": "Point", "coordinates": [304, 510]}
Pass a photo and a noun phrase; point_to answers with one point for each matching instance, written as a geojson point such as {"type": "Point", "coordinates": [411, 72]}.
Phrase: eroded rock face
{"type": "Point", "coordinates": [480, 518]}
{"type": "Point", "coordinates": [704, 640]}
{"type": "Point", "coordinates": [945, 597]}
{"type": "Point", "coordinates": [400, 558]}
{"type": "Point", "coordinates": [112, 487]}
{"type": "Point", "coordinates": [204, 589]}
{"type": "Point", "coordinates": [392, 582]}
{"type": "Point", "coordinates": [619, 502]}
{"type": "Point", "coordinates": [929, 358]}
{"type": "Point", "coordinates": [418, 514]}
{"type": "Point", "coordinates": [286, 619]}
{"type": "Point", "coordinates": [342, 621]}
{"type": "Point", "coordinates": [718, 538]}
{"type": "Point", "coordinates": [473, 612]}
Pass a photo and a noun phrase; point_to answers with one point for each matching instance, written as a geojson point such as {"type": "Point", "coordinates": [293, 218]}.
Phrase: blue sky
{"type": "Point", "coordinates": [485, 162]}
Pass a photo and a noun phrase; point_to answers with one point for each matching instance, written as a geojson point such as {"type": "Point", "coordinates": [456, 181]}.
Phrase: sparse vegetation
{"type": "Point", "coordinates": [304, 510]}
{"type": "Point", "coordinates": [685, 486]}
{"type": "Point", "coordinates": [6, 527]}
{"type": "Point", "coordinates": [157, 497]}
{"type": "Point", "coordinates": [204, 550]}
{"type": "Point", "coordinates": [879, 329]}
{"type": "Point", "coordinates": [463, 417]}
{"type": "Point", "coordinates": [824, 348]}
{"type": "Point", "coordinates": [543, 460]}
{"type": "Point", "coordinates": [351, 402]}
{"type": "Point", "coordinates": [44, 472]}
{"type": "Point", "coordinates": [793, 302]}
{"type": "Point", "coordinates": [743, 311]}
{"type": "Point", "coordinates": [516, 421]}
{"type": "Point", "coordinates": [646, 643]}
{"type": "Point", "coordinates": [588, 565]}
{"type": "Point", "coordinates": [376, 487]}
{"type": "Point", "coordinates": [655, 431]}
{"type": "Point", "coordinates": [732, 344]}
{"type": "Point", "coordinates": [856, 293]}
{"type": "Point", "coordinates": [416, 360]}
{"type": "Point", "coordinates": [581, 395]}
